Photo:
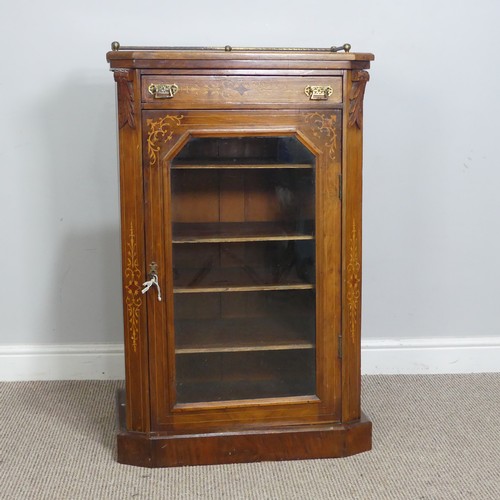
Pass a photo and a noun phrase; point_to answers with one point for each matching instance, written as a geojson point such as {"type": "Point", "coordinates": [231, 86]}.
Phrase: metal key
{"type": "Point", "coordinates": [153, 281]}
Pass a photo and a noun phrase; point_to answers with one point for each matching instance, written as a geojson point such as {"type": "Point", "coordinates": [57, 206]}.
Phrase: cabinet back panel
{"type": "Point", "coordinates": [241, 195]}
{"type": "Point", "coordinates": [195, 197]}
{"type": "Point", "coordinates": [290, 303]}
{"type": "Point", "coordinates": [229, 376]}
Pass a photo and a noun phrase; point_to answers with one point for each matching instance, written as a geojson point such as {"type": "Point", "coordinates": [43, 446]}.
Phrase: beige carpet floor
{"type": "Point", "coordinates": [435, 437]}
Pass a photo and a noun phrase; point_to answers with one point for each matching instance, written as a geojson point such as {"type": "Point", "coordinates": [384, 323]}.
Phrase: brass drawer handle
{"type": "Point", "coordinates": [163, 90]}
{"type": "Point", "coordinates": [318, 92]}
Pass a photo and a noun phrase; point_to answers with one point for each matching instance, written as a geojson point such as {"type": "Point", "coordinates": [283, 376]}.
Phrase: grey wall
{"type": "Point", "coordinates": [431, 213]}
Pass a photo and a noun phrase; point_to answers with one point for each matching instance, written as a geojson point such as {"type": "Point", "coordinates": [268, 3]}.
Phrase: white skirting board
{"type": "Point", "coordinates": [61, 362]}
{"type": "Point", "coordinates": [379, 356]}
{"type": "Point", "coordinates": [430, 356]}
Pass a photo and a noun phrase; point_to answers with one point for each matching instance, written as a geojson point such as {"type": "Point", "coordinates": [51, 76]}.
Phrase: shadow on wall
{"type": "Point", "coordinates": [87, 301]}
{"type": "Point", "coordinates": [84, 301]}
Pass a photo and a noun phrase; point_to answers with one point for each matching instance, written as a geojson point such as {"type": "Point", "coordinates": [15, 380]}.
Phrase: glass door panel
{"type": "Point", "coordinates": [243, 237]}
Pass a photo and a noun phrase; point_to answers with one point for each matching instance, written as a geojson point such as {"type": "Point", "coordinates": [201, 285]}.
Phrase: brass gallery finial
{"type": "Point", "coordinates": [115, 46]}
{"type": "Point", "coordinates": [346, 48]}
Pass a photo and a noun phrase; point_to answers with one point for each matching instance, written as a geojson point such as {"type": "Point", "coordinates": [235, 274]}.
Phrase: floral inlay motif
{"type": "Point", "coordinates": [159, 132]}
{"type": "Point", "coordinates": [353, 280]}
{"type": "Point", "coordinates": [325, 127]}
{"type": "Point", "coordinates": [133, 296]}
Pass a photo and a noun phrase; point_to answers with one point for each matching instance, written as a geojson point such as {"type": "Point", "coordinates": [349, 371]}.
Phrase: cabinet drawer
{"type": "Point", "coordinates": [201, 92]}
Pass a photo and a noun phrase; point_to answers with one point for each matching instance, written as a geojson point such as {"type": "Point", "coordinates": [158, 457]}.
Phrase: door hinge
{"type": "Point", "coordinates": [339, 347]}
{"type": "Point", "coordinates": [340, 186]}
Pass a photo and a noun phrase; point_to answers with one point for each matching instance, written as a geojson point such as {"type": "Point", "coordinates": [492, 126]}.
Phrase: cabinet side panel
{"type": "Point", "coordinates": [132, 232]}
{"type": "Point", "coordinates": [354, 84]}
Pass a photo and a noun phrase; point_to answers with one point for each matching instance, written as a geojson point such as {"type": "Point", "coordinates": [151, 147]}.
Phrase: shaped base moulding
{"type": "Point", "coordinates": [239, 446]}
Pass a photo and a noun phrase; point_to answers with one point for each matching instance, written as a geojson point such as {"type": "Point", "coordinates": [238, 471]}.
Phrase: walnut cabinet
{"type": "Point", "coordinates": [240, 176]}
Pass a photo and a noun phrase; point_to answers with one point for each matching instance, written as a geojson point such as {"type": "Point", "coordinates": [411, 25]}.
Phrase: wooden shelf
{"type": "Point", "coordinates": [243, 335]}
{"type": "Point", "coordinates": [228, 232]}
{"type": "Point", "coordinates": [239, 165]}
{"type": "Point", "coordinates": [250, 288]}
{"type": "Point", "coordinates": [234, 279]}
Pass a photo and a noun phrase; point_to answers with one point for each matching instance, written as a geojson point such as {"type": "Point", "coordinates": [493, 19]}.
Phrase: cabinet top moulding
{"type": "Point", "coordinates": [234, 58]}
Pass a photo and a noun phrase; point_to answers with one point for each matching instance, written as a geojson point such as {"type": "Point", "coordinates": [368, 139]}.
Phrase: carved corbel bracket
{"type": "Point", "coordinates": [359, 80]}
{"type": "Point", "coordinates": [125, 81]}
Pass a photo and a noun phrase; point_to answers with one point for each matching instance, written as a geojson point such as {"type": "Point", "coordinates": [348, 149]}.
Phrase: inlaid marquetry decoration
{"type": "Point", "coordinates": [160, 132]}
{"type": "Point", "coordinates": [359, 80]}
{"type": "Point", "coordinates": [228, 89]}
{"type": "Point", "coordinates": [124, 79]}
{"type": "Point", "coordinates": [133, 296]}
{"type": "Point", "coordinates": [353, 281]}
{"type": "Point", "coordinates": [325, 128]}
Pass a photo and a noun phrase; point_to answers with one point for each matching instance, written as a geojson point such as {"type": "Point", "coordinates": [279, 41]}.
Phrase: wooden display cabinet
{"type": "Point", "coordinates": [240, 174]}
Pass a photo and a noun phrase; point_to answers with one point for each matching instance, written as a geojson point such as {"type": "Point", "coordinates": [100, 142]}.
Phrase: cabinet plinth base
{"type": "Point", "coordinates": [265, 444]}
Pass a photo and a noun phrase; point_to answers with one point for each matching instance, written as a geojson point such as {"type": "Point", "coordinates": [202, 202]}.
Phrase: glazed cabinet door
{"type": "Point", "coordinates": [243, 248]}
